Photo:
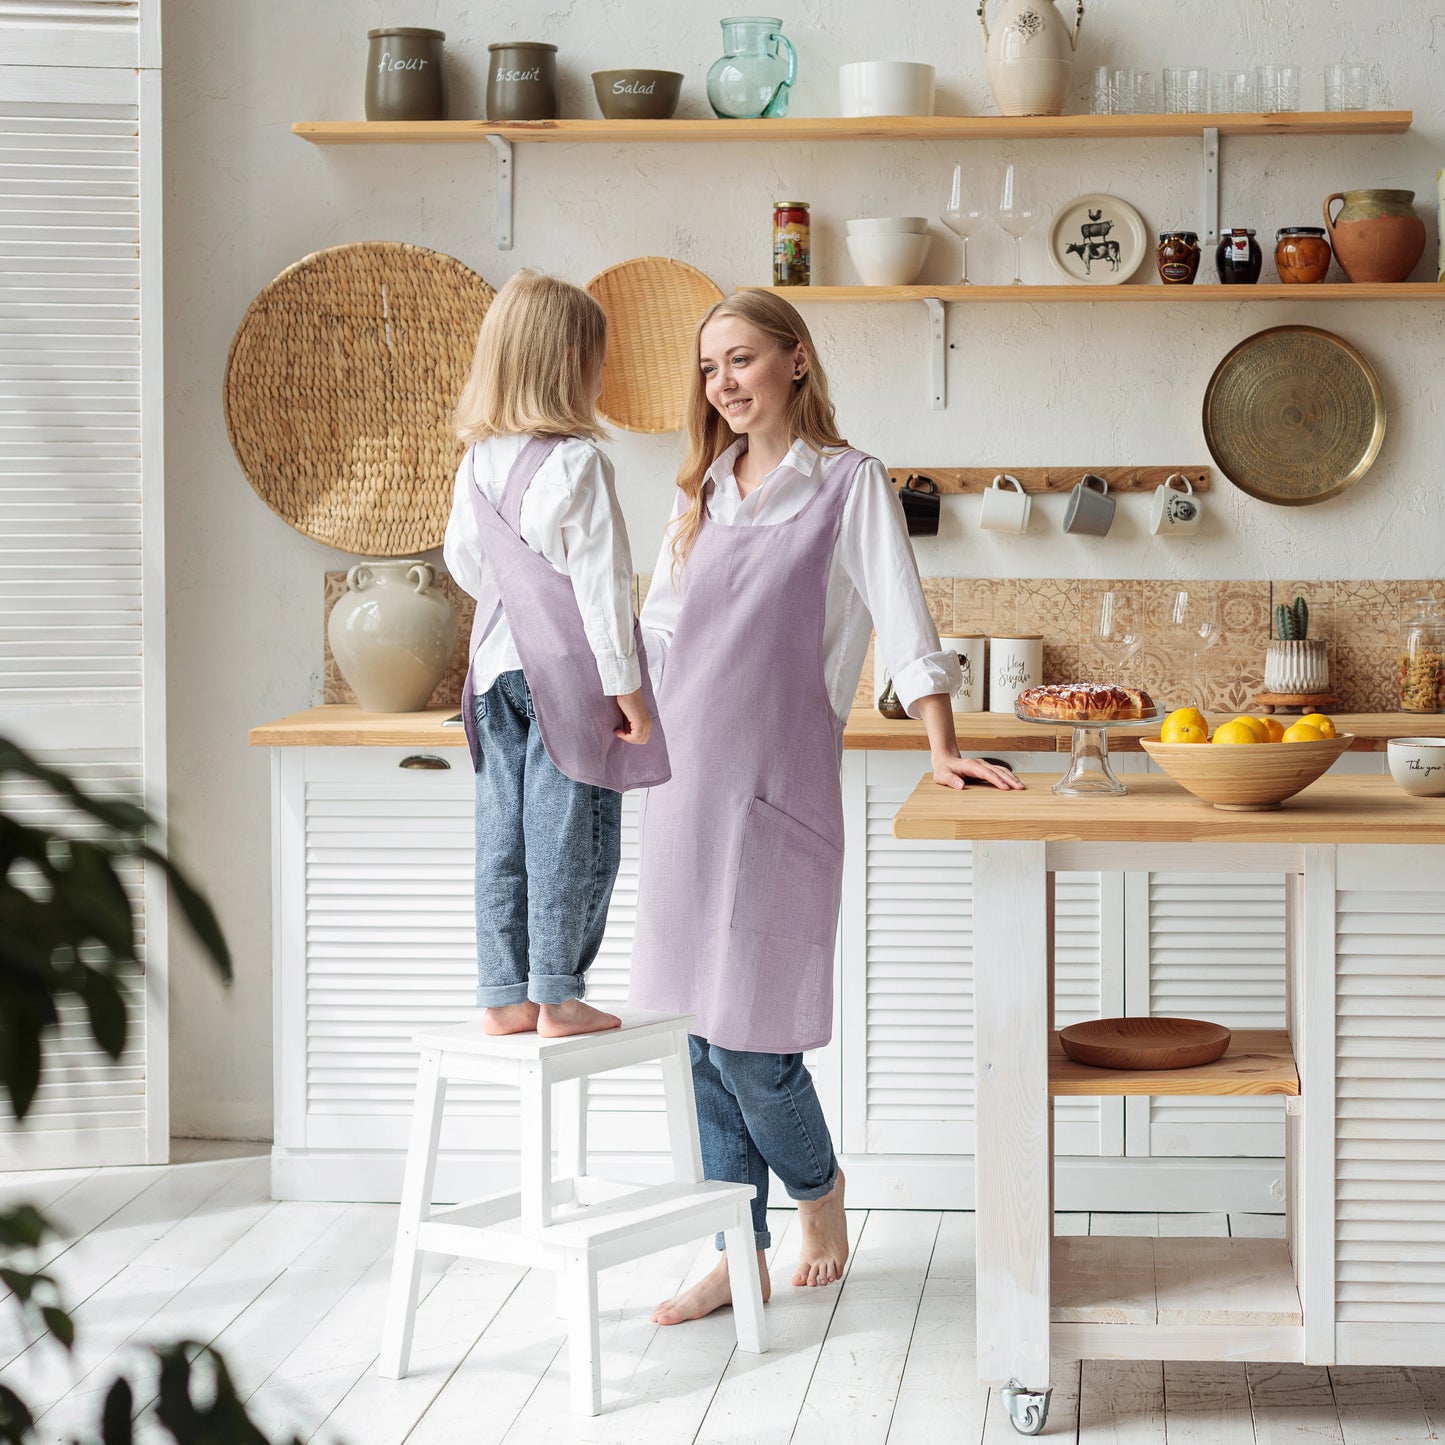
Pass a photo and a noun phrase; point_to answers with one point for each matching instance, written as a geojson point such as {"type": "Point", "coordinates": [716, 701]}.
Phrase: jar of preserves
{"type": "Point", "coordinates": [792, 264]}
{"type": "Point", "coordinates": [1301, 254]}
{"type": "Point", "coordinates": [1238, 259]}
{"type": "Point", "coordinates": [1178, 257]}
{"type": "Point", "coordinates": [1422, 659]}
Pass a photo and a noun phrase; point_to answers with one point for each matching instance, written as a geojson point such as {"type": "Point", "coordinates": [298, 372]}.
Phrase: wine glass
{"type": "Point", "coordinates": [1192, 626]}
{"type": "Point", "coordinates": [961, 215]}
{"type": "Point", "coordinates": [1017, 212]}
{"type": "Point", "coordinates": [1118, 629]}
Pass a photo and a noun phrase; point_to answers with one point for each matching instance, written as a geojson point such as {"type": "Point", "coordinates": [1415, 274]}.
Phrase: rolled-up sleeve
{"type": "Point", "coordinates": [875, 551]}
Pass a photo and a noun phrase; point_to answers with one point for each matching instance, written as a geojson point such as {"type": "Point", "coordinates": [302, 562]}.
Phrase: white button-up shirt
{"type": "Point", "coordinates": [570, 516]}
{"type": "Point", "coordinates": [872, 584]}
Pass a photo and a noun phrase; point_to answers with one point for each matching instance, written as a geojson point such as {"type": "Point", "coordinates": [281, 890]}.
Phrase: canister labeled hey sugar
{"type": "Point", "coordinates": [1015, 664]}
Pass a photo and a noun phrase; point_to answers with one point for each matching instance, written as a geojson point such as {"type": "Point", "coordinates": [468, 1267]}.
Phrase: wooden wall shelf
{"type": "Point", "coordinates": [1259, 1061]}
{"type": "Point", "coordinates": [1050, 480]}
{"type": "Point", "coordinates": [1126, 295]}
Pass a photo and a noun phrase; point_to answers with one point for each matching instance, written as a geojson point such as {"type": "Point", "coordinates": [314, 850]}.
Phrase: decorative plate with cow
{"type": "Point", "coordinates": [1098, 240]}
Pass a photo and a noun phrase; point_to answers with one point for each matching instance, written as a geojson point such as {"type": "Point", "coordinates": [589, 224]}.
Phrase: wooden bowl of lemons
{"type": "Point", "coordinates": [1248, 764]}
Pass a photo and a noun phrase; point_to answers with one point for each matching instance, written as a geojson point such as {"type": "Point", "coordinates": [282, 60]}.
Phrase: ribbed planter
{"type": "Point", "coordinates": [1296, 667]}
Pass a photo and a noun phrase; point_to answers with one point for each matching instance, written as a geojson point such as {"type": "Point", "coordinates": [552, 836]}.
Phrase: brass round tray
{"type": "Point", "coordinates": [339, 392]}
{"type": "Point", "coordinates": [1294, 415]}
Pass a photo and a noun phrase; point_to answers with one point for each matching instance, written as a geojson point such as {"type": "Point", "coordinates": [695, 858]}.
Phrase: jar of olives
{"type": "Point", "coordinates": [1422, 659]}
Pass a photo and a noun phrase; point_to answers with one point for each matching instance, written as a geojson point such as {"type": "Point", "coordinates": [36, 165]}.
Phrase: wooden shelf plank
{"type": "Point", "coordinates": [1056, 480]}
{"type": "Point", "coordinates": [1146, 294]}
{"type": "Point", "coordinates": [815, 128]}
{"type": "Point", "coordinates": [1258, 1061]}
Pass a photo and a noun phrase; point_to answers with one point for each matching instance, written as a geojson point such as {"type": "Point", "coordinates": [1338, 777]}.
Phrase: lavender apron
{"type": "Point", "coordinates": [574, 716]}
{"type": "Point", "coordinates": [742, 852]}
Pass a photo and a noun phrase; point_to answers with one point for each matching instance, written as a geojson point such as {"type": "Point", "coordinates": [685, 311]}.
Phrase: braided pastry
{"type": "Point", "coordinates": [1082, 702]}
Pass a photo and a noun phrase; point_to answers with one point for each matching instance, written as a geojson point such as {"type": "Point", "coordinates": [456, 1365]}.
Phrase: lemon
{"type": "Point", "coordinates": [1256, 726]}
{"type": "Point", "coordinates": [1303, 732]}
{"type": "Point", "coordinates": [1274, 728]}
{"type": "Point", "coordinates": [1238, 731]}
{"type": "Point", "coordinates": [1179, 727]}
{"type": "Point", "coordinates": [1320, 721]}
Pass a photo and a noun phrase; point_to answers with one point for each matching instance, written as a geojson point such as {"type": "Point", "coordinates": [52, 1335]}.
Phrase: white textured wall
{"type": "Point", "coordinates": [1028, 385]}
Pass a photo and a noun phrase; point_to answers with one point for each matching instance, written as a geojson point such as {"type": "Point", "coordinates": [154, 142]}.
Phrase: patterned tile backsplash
{"type": "Point", "coordinates": [1362, 623]}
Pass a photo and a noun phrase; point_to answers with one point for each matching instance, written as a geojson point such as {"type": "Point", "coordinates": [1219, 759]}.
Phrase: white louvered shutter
{"type": "Point", "coordinates": [81, 596]}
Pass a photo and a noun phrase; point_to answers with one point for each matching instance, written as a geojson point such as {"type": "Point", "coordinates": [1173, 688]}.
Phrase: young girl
{"type": "Point", "coordinates": [557, 705]}
{"type": "Point", "coordinates": [786, 549]}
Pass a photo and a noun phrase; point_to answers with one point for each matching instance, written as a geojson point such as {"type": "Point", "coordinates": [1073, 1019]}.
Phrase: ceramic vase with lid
{"type": "Point", "coordinates": [1376, 235]}
{"type": "Point", "coordinates": [1030, 56]}
{"type": "Point", "coordinates": [392, 635]}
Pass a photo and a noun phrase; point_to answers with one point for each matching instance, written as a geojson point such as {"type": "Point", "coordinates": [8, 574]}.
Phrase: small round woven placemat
{"type": "Point", "coordinates": [339, 392]}
{"type": "Point", "coordinates": [1294, 415]}
{"type": "Point", "coordinates": [653, 305]}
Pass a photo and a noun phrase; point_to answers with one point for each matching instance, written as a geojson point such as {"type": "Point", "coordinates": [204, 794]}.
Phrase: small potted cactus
{"type": "Point", "coordinates": [1295, 663]}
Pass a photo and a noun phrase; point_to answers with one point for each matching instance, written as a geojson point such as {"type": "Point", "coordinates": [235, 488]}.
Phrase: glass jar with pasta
{"type": "Point", "coordinates": [1422, 659]}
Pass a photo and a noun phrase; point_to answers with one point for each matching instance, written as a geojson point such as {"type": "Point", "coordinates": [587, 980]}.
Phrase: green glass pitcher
{"type": "Point", "coordinates": [753, 78]}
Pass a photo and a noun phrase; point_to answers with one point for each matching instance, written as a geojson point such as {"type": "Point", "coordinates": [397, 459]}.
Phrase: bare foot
{"type": "Point", "coordinates": [558, 1020]}
{"type": "Point", "coordinates": [708, 1294]}
{"type": "Point", "coordinates": [510, 1018]}
{"type": "Point", "coordinates": [825, 1237]}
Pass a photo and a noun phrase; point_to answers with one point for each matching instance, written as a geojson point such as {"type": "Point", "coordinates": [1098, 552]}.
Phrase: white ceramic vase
{"type": "Point", "coordinates": [392, 635]}
{"type": "Point", "coordinates": [1030, 56]}
{"type": "Point", "coordinates": [1296, 667]}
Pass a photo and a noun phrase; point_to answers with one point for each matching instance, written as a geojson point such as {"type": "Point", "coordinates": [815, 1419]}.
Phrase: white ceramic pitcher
{"type": "Point", "coordinates": [1030, 56]}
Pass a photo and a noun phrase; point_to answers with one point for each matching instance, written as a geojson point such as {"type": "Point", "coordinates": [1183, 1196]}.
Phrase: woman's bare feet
{"type": "Point", "coordinates": [510, 1018]}
{"type": "Point", "coordinates": [707, 1294]}
{"type": "Point", "coordinates": [558, 1020]}
{"type": "Point", "coordinates": [825, 1237]}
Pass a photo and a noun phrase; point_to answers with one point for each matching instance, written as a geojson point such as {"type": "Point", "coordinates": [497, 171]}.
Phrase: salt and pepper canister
{"type": "Point", "coordinates": [405, 79]}
{"type": "Point", "coordinates": [1238, 258]}
{"type": "Point", "coordinates": [1015, 664]}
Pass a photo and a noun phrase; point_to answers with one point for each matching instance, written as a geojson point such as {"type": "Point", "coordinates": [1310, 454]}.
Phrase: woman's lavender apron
{"type": "Point", "coordinates": [576, 719]}
{"type": "Point", "coordinates": [742, 852]}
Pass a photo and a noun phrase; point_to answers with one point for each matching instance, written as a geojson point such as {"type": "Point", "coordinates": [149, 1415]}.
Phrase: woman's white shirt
{"type": "Point", "coordinates": [873, 583]}
{"type": "Point", "coordinates": [570, 516]}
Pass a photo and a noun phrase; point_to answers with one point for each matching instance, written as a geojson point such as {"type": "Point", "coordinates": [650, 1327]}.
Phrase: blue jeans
{"type": "Point", "coordinates": [547, 855]}
{"type": "Point", "coordinates": [756, 1111]}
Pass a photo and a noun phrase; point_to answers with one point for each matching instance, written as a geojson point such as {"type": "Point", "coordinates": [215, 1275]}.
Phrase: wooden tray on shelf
{"type": "Point", "coordinates": [1144, 1043]}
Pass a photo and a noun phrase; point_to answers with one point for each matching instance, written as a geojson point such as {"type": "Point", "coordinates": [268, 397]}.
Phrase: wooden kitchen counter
{"type": "Point", "coordinates": [345, 725]}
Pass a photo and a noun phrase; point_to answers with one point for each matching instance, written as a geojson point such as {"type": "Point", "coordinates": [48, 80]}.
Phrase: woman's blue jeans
{"type": "Point", "coordinates": [547, 855]}
{"type": "Point", "coordinates": [760, 1111]}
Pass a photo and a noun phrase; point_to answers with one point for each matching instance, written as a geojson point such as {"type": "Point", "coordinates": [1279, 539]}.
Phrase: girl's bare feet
{"type": "Point", "coordinates": [825, 1237]}
{"type": "Point", "coordinates": [558, 1020]}
{"type": "Point", "coordinates": [510, 1018]}
{"type": "Point", "coordinates": [707, 1294]}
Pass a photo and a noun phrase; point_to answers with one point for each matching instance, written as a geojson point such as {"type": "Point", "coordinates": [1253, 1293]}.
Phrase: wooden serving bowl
{"type": "Point", "coordinates": [1144, 1043]}
{"type": "Point", "coordinates": [1247, 777]}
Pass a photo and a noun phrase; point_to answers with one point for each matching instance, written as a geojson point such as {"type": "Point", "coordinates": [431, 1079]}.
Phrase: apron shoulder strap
{"type": "Point", "coordinates": [528, 463]}
{"type": "Point", "coordinates": [839, 475]}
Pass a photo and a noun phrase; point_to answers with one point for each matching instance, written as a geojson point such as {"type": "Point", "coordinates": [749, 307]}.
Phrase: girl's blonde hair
{"type": "Point", "coordinates": [538, 357]}
{"type": "Point", "coordinates": [810, 409]}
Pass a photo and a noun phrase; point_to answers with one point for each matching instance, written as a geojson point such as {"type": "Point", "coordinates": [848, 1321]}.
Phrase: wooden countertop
{"type": "Point", "coordinates": [345, 725]}
{"type": "Point", "coordinates": [1336, 809]}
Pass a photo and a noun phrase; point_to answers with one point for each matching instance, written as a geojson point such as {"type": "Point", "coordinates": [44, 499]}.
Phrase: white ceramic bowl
{"type": "Point", "coordinates": [891, 259]}
{"type": "Point", "coordinates": [1418, 765]}
{"type": "Point", "coordinates": [885, 87]}
{"type": "Point", "coordinates": [887, 225]}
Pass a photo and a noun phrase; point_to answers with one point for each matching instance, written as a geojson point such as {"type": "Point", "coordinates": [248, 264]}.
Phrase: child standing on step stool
{"type": "Point", "coordinates": [557, 704]}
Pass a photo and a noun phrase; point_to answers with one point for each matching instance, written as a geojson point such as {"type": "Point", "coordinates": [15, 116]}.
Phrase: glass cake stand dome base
{"type": "Point", "coordinates": [1088, 774]}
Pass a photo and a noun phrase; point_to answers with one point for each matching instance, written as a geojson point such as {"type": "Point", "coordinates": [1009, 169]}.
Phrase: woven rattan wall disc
{"type": "Point", "coordinates": [340, 387]}
{"type": "Point", "coordinates": [653, 305]}
{"type": "Point", "coordinates": [1294, 415]}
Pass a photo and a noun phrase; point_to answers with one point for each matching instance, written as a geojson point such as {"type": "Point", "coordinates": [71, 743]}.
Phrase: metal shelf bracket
{"type": "Point", "coordinates": [503, 150]}
{"type": "Point", "coordinates": [938, 352]}
{"type": "Point", "coordinates": [1211, 187]}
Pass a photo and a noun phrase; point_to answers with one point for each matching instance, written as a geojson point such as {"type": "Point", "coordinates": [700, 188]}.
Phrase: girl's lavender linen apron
{"type": "Point", "coordinates": [574, 716]}
{"type": "Point", "coordinates": [742, 852]}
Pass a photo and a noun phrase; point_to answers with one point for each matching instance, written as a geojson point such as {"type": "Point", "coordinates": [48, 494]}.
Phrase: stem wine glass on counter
{"type": "Point", "coordinates": [1192, 625]}
{"type": "Point", "coordinates": [1118, 631]}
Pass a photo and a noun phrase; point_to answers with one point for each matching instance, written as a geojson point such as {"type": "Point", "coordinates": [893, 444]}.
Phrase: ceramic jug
{"type": "Point", "coordinates": [1030, 56]}
{"type": "Point", "coordinates": [392, 635]}
{"type": "Point", "coordinates": [1376, 236]}
{"type": "Point", "coordinates": [753, 77]}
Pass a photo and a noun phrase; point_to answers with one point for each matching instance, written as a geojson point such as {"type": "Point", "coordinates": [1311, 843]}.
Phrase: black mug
{"type": "Point", "coordinates": [921, 505]}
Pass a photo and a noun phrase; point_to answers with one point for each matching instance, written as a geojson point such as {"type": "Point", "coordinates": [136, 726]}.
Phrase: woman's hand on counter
{"type": "Point", "coordinates": [951, 772]}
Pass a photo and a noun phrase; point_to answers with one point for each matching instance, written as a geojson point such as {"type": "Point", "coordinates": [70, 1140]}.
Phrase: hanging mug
{"type": "Point", "coordinates": [1006, 506]}
{"type": "Point", "coordinates": [921, 505]}
{"type": "Point", "coordinates": [1091, 508]}
{"type": "Point", "coordinates": [1174, 513]}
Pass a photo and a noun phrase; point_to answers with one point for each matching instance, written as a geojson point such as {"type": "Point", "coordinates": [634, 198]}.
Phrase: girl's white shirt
{"type": "Point", "coordinates": [570, 516]}
{"type": "Point", "coordinates": [873, 583]}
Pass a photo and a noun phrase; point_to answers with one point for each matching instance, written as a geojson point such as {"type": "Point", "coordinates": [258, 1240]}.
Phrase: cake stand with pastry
{"type": "Point", "coordinates": [1091, 708]}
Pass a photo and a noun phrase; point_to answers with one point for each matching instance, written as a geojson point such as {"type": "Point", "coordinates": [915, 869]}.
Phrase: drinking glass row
{"type": "Point", "coordinates": [1194, 90]}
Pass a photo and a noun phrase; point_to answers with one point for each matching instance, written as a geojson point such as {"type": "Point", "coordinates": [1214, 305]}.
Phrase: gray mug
{"type": "Point", "coordinates": [1091, 508]}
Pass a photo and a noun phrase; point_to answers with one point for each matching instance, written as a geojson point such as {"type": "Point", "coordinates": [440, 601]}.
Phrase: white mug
{"type": "Point", "coordinates": [1014, 664]}
{"type": "Point", "coordinates": [885, 87]}
{"type": "Point", "coordinates": [1174, 513]}
{"type": "Point", "coordinates": [1006, 508]}
{"type": "Point", "coordinates": [968, 696]}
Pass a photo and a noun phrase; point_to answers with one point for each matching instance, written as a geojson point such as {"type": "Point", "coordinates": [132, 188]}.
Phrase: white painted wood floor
{"type": "Point", "coordinates": [292, 1293]}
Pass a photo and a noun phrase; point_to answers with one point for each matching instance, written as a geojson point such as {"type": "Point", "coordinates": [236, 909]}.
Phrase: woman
{"type": "Point", "coordinates": [785, 550]}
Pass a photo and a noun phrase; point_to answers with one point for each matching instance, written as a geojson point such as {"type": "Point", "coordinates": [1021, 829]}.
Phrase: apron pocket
{"type": "Point", "coordinates": [789, 878]}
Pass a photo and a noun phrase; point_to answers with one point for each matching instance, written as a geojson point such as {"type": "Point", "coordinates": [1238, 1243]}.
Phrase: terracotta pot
{"type": "Point", "coordinates": [1376, 236]}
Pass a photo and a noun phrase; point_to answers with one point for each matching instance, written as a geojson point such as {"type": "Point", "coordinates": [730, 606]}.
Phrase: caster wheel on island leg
{"type": "Point", "coordinates": [1028, 1410]}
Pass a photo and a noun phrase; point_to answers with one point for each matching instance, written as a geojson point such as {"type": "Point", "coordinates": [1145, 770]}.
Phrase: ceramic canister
{"type": "Point", "coordinates": [1014, 664]}
{"type": "Point", "coordinates": [405, 79]}
{"type": "Point", "coordinates": [522, 81]}
{"type": "Point", "coordinates": [968, 696]}
{"type": "Point", "coordinates": [1440, 186]}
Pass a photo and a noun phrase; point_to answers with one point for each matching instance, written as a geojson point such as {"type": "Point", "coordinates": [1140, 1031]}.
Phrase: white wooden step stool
{"type": "Point", "coordinates": [573, 1224]}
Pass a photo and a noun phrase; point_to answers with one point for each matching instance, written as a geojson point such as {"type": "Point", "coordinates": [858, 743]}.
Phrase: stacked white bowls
{"type": "Point", "coordinates": [888, 250]}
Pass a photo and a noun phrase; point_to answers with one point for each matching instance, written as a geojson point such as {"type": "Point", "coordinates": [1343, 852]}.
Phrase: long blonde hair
{"type": "Point", "coordinates": [810, 409]}
{"type": "Point", "coordinates": [535, 369]}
